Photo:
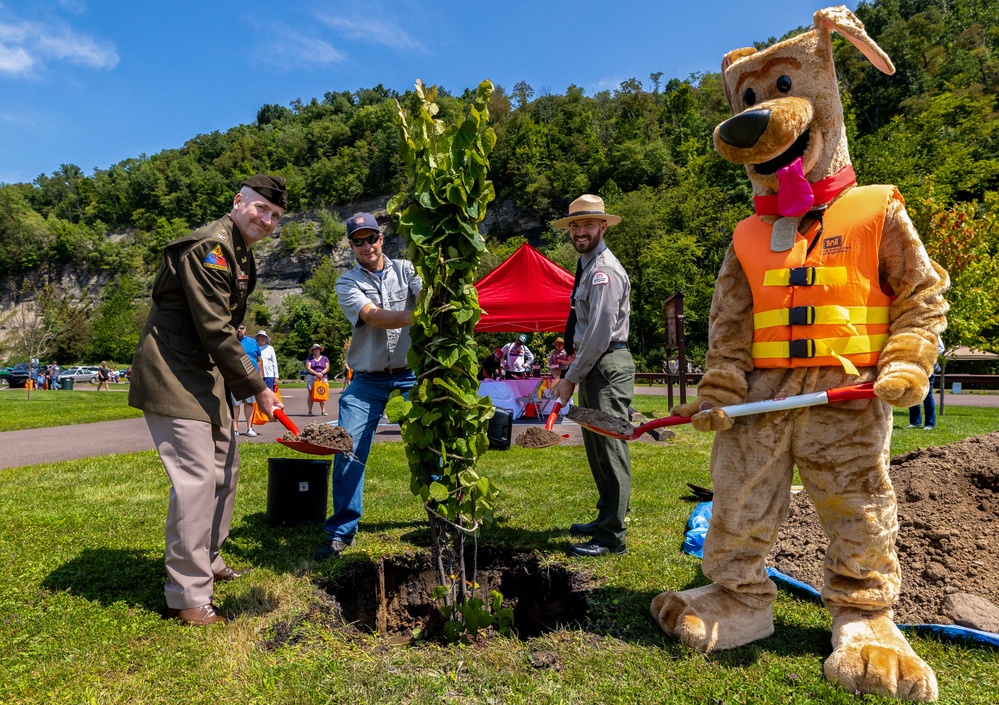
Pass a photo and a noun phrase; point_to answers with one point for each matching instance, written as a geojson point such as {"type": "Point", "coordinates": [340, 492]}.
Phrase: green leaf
{"type": "Point", "coordinates": [396, 408]}
{"type": "Point", "coordinates": [438, 492]}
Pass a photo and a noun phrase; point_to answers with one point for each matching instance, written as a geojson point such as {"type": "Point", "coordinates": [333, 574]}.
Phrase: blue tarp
{"type": "Point", "coordinates": [693, 544]}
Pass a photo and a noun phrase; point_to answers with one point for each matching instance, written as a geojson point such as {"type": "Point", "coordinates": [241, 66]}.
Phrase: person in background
{"type": "Point", "coordinates": [518, 361]}
{"type": "Point", "coordinates": [268, 359]}
{"type": "Point", "coordinates": [558, 360]}
{"type": "Point", "coordinates": [603, 368]}
{"type": "Point", "coordinates": [491, 366]}
{"type": "Point", "coordinates": [252, 352]}
{"type": "Point", "coordinates": [103, 376]}
{"type": "Point", "coordinates": [378, 297]}
{"type": "Point", "coordinates": [317, 366]}
{"type": "Point", "coordinates": [187, 364]}
{"type": "Point", "coordinates": [915, 420]}
{"type": "Point", "coordinates": [53, 375]}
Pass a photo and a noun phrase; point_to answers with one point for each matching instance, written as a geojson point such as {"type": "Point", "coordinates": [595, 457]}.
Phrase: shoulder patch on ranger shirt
{"type": "Point", "coordinates": [216, 260]}
{"type": "Point", "coordinates": [599, 278]}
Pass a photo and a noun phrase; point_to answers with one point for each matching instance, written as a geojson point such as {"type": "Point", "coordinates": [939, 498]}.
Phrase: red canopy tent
{"type": "Point", "coordinates": [527, 292]}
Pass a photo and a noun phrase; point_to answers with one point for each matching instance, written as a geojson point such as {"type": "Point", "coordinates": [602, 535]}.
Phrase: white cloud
{"type": "Point", "coordinates": [30, 46]}
{"type": "Point", "coordinates": [293, 49]}
{"type": "Point", "coordinates": [370, 30]}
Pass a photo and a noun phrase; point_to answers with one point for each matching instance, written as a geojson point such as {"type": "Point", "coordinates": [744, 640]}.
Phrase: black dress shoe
{"type": "Point", "coordinates": [228, 573]}
{"type": "Point", "coordinates": [200, 616]}
{"type": "Point", "coordinates": [595, 548]}
{"type": "Point", "coordinates": [587, 529]}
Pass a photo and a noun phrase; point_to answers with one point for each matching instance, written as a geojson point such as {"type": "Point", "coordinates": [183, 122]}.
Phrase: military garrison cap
{"type": "Point", "coordinates": [270, 187]}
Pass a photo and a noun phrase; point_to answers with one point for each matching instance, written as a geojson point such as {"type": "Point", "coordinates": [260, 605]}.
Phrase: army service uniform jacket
{"type": "Point", "coordinates": [188, 352]}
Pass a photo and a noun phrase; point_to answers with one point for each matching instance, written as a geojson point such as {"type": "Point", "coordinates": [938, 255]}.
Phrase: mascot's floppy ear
{"type": "Point", "coordinates": [840, 19]}
{"type": "Point", "coordinates": [731, 58]}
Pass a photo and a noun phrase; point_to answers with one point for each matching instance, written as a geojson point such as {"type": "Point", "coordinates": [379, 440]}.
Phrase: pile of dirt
{"type": "Point", "coordinates": [948, 542]}
{"type": "Point", "coordinates": [536, 437]}
{"type": "Point", "coordinates": [323, 434]}
{"type": "Point", "coordinates": [594, 419]}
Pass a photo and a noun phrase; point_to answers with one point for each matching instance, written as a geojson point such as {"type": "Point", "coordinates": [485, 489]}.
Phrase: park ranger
{"type": "Point", "coordinates": [188, 362]}
{"type": "Point", "coordinates": [602, 369]}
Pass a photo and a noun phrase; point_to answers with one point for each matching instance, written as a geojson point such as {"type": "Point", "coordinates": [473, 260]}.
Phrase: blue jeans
{"type": "Point", "coordinates": [361, 406]}
{"type": "Point", "coordinates": [915, 418]}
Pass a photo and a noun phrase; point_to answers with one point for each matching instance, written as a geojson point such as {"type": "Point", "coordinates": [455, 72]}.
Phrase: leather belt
{"type": "Point", "coordinates": [390, 372]}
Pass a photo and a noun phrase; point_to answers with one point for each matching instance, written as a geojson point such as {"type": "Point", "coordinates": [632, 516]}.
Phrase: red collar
{"type": "Point", "coordinates": [825, 190]}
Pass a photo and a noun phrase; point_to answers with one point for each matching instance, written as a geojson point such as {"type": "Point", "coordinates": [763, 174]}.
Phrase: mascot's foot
{"type": "Point", "coordinates": [870, 655]}
{"type": "Point", "coordinates": [709, 619]}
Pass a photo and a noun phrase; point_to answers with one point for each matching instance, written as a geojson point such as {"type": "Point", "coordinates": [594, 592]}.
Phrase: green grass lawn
{"type": "Point", "coordinates": [81, 578]}
{"type": "Point", "coordinates": [48, 408]}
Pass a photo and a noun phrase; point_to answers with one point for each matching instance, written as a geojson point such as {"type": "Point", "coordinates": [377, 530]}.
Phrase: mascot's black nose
{"type": "Point", "coordinates": [744, 129]}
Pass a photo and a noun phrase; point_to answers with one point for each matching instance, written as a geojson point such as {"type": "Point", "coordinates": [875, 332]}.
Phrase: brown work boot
{"type": "Point", "coordinates": [200, 616]}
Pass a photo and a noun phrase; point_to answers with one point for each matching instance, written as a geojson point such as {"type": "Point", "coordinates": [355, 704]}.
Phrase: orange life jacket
{"type": "Point", "coordinates": [820, 303]}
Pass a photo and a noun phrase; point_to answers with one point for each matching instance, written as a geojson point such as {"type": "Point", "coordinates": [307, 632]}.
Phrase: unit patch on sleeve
{"type": "Point", "coordinates": [599, 278]}
{"type": "Point", "coordinates": [216, 260]}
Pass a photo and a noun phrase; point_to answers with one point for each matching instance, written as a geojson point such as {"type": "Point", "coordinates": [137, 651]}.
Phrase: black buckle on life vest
{"type": "Point", "coordinates": [802, 276]}
{"type": "Point", "coordinates": [802, 347]}
{"type": "Point", "coordinates": [801, 315]}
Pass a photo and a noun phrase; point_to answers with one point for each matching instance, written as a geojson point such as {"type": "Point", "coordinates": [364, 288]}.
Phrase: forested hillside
{"type": "Point", "coordinates": [931, 128]}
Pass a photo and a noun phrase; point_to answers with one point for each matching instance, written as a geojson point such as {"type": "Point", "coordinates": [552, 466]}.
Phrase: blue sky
{"type": "Point", "coordinates": [94, 82]}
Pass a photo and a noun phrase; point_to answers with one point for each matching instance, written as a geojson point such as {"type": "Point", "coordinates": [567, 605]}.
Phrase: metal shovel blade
{"type": "Point", "coordinates": [301, 446]}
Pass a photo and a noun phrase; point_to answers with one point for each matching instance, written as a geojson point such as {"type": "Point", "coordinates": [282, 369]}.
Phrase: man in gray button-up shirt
{"type": "Point", "coordinates": [603, 369]}
{"type": "Point", "coordinates": [378, 297]}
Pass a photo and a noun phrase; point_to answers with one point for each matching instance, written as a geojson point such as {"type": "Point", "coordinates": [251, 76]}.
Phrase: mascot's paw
{"type": "Point", "coordinates": [711, 420]}
{"type": "Point", "coordinates": [871, 656]}
{"type": "Point", "coordinates": [709, 619]}
{"type": "Point", "coordinates": [902, 384]}
{"type": "Point", "coordinates": [690, 408]}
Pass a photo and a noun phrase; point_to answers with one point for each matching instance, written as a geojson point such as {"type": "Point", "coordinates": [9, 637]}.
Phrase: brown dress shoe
{"type": "Point", "coordinates": [228, 573]}
{"type": "Point", "coordinates": [200, 616]}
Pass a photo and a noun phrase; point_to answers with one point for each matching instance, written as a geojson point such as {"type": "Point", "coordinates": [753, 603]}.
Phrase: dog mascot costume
{"type": "Point", "coordinates": [827, 285]}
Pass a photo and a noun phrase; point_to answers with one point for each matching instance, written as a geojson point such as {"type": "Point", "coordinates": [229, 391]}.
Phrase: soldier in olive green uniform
{"type": "Point", "coordinates": [188, 356]}
{"type": "Point", "coordinates": [603, 368]}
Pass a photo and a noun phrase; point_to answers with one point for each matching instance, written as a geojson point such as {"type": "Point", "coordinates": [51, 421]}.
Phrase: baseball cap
{"type": "Point", "coordinates": [521, 338]}
{"type": "Point", "coordinates": [263, 333]}
{"type": "Point", "coordinates": [361, 221]}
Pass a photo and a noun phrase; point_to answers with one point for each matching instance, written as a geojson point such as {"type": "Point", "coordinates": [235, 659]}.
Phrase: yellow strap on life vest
{"type": "Point", "coordinates": [826, 347]}
{"type": "Point", "coordinates": [822, 315]}
{"type": "Point", "coordinates": [817, 276]}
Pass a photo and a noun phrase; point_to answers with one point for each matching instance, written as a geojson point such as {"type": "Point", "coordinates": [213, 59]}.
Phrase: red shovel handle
{"type": "Point", "coordinates": [553, 417]}
{"type": "Point", "coordinates": [857, 391]}
{"type": "Point", "coordinates": [288, 423]}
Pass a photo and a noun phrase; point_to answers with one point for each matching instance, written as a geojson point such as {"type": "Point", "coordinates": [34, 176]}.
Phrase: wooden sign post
{"type": "Point", "coordinates": [673, 318]}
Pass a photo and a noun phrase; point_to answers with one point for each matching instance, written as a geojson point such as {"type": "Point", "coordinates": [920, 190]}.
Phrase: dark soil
{"type": "Point", "coordinates": [948, 542]}
{"type": "Point", "coordinates": [324, 434]}
{"type": "Point", "coordinates": [393, 596]}
{"type": "Point", "coordinates": [535, 437]}
{"type": "Point", "coordinates": [598, 420]}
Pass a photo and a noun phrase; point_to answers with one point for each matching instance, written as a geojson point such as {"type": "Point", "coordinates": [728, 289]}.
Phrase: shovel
{"type": "Point", "coordinates": [300, 446]}
{"type": "Point", "coordinates": [549, 424]}
{"type": "Point", "coordinates": [830, 396]}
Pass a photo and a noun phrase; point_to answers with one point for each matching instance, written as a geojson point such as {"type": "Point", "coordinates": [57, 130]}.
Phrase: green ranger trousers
{"type": "Point", "coordinates": [609, 387]}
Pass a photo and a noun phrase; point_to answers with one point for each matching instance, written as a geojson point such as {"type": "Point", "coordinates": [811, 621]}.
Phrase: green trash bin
{"type": "Point", "coordinates": [66, 383]}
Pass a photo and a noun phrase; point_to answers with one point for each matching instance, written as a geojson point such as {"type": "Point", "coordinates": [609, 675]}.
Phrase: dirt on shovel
{"type": "Point", "coordinates": [597, 419]}
{"type": "Point", "coordinates": [325, 435]}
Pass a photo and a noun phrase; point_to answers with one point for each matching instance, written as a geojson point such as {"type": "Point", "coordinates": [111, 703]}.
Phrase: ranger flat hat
{"type": "Point", "coordinates": [587, 206]}
{"type": "Point", "coordinates": [270, 187]}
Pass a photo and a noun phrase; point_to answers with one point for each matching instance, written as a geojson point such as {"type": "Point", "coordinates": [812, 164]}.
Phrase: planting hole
{"type": "Point", "coordinates": [392, 596]}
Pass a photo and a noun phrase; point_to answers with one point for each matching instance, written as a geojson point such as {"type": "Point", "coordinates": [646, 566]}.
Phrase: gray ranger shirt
{"type": "Point", "coordinates": [395, 288]}
{"type": "Point", "coordinates": [603, 307]}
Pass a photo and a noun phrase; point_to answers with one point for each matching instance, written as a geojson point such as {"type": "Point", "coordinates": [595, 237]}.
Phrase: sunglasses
{"type": "Point", "coordinates": [359, 241]}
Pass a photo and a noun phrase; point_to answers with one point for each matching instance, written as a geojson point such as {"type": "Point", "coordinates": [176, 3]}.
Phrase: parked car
{"type": "Point", "coordinates": [79, 374]}
{"type": "Point", "coordinates": [19, 375]}
{"type": "Point", "coordinates": [5, 374]}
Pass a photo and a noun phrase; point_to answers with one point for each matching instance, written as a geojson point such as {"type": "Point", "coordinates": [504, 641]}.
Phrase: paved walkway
{"type": "Point", "coordinates": [52, 445]}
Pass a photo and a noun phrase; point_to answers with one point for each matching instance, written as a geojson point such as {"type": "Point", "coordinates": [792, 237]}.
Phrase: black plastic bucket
{"type": "Point", "coordinates": [297, 490]}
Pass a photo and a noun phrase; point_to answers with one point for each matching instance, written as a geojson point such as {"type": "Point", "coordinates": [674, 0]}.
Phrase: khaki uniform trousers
{"type": "Point", "coordinates": [609, 387]}
{"type": "Point", "coordinates": [202, 462]}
